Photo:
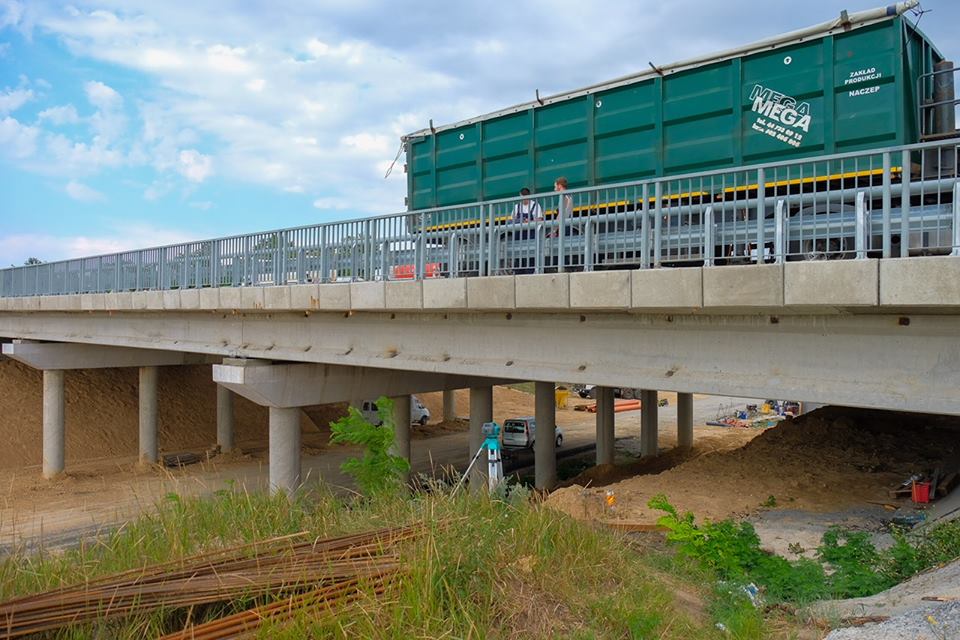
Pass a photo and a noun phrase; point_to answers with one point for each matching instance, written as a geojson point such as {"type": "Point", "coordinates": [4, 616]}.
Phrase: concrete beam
{"type": "Point", "coordinates": [685, 420]}
{"type": "Point", "coordinates": [149, 406]}
{"type": "Point", "coordinates": [301, 385]}
{"type": "Point", "coordinates": [449, 405]}
{"type": "Point", "coordinates": [53, 423]}
{"type": "Point", "coordinates": [904, 362]}
{"type": "Point", "coordinates": [67, 355]}
{"type": "Point", "coordinates": [284, 450]}
{"type": "Point", "coordinates": [605, 425]}
{"type": "Point", "coordinates": [649, 423]}
{"type": "Point", "coordinates": [225, 419]}
{"type": "Point", "coordinates": [481, 410]}
{"type": "Point", "coordinates": [545, 446]}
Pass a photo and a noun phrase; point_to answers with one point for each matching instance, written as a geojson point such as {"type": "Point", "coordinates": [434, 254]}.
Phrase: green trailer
{"type": "Point", "coordinates": [846, 85]}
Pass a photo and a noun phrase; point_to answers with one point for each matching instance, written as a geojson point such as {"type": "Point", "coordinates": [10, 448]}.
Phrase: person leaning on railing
{"type": "Point", "coordinates": [526, 210]}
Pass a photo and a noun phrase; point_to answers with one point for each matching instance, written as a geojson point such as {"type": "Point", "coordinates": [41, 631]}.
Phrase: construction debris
{"type": "Point", "coordinates": [769, 414]}
{"type": "Point", "coordinates": [317, 574]}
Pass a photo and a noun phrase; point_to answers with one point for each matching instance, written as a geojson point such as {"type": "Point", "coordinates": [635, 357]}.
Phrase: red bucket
{"type": "Point", "coordinates": [920, 492]}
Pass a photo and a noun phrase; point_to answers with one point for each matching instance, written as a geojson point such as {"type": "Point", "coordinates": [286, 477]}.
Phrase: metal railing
{"type": "Point", "coordinates": [878, 203]}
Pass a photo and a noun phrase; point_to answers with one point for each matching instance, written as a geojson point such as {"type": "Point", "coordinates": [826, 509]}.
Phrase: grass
{"type": "Point", "coordinates": [506, 568]}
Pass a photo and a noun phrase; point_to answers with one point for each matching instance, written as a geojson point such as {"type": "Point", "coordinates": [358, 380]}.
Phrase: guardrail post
{"type": "Point", "coordinates": [887, 250]}
{"type": "Point", "coordinates": [324, 275]}
{"type": "Point", "coordinates": [301, 266]}
{"type": "Point", "coordinates": [247, 270]}
{"type": "Point", "coordinates": [708, 241]}
{"type": "Point", "coordinates": [422, 248]}
{"type": "Point", "coordinates": [162, 269]}
{"type": "Point", "coordinates": [368, 246]}
{"type": "Point", "coordinates": [384, 260]}
{"type": "Point", "coordinates": [453, 266]}
{"type": "Point", "coordinates": [905, 204]}
{"type": "Point", "coordinates": [215, 263]}
{"type": "Point", "coordinates": [645, 228]}
{"type": "Point", "coordinates": [588, 246]}
{"type": "Point", "coordinates": [491, 241]}
{"type": "Point", "coordinates": [860, 242]}
{"type": "Point", "coordinates": [956, 220]}
{"type": "Point", "coordinates": [779, 238]}
{"type": "Point", "coordinates": [117, 271]}
{"type": "Point", "coordinates": [482, 249]}
{"type": "Point", "coordinates": [539, 234]}
{"type": "Point", "coordinates": [761, 214]}
{"type": "Point", "coordinates": [657, 222]}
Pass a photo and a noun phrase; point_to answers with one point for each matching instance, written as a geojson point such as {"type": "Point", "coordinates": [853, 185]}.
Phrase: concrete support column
{"type": "Point", "coordinates": [481, 410]}
{"type": "Point", "coordinates": [284, 449]}
{"type": "Point", "coordinates": [401, 429]}
{"type": "Point", "coordinates": [685, 420]}
{"type": "Point", "coordinates": [449, 406]}
{"type": "Point", "coordinates": [53, 429]}
{"type": "Point", "coordinates": [545, 446]}
{"type": "Point", "coordinates": [224, 418]}
{"type": "Point", "coordinates": [605, 433]}
{"type": "Point", "coordinates": [649, 423]}
{"type": "Point", "coordinates": [148, 415]}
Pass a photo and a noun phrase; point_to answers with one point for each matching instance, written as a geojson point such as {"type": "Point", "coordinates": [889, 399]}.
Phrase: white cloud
{"type": "Point", "coordinates": [64, 114]}
{"type": "Point", "coordinates": [10, 13]}
{"type": "Point", "coordinates": [102, 96]}
{"type": "Point", "coordinates": [226, 59]}
{"type": "Point", "coordinates": [83, 193]}
{"type": "Point", "coordinates": [15, 248]}
{"type": "Point", "coordinates": [256, 85]}
{"type": "Point", "coordinates": [161, 59]}
{"type": "Point", "coordinates": [194, 166]}
{"type": "Point", "coordinates": [17, 140]}
{"type": "Point", "coordinates": [13, 99]}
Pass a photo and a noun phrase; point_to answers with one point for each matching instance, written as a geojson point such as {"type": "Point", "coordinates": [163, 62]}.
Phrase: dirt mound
{"type": "Point", "coordinates": [507, 403]}
{"type": "Point", "coordinates": [829, 459]}
{"type": "Point", "coordinates": [102, 416]}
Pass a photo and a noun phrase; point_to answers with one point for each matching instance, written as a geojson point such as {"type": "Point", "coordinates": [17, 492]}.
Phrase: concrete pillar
{"type": "Point", "coordinates": [685, 420]}
{"type": "Point", "coordinates": [545, 446]}
{"type": "Point", "coordinates": [481, 410]}
{"type": "Point", "coordinates": [224, 418]}
{"type": "Point", "coordinates": [401, 429]}
{"type": "Point", "coordinates": [148, 415]}
{"type": "Point", "coordinates": [53, 429]}
{"type": "Point", "coordinates": [449, 406]}
{"type": "Point", "coordinates": [649, 423]}
{"type": "Point", "coordinates": [284, 446]}
{"type": "Point", "coordinates": [605, 417]}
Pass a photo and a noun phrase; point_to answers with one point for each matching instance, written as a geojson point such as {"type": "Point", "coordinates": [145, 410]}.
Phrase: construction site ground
{"type": "Point", "coordinates": [793, 481]}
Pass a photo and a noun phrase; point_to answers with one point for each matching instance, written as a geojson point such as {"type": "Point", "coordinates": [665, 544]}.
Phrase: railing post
{"type": "Point", "coordinates": [708, 241]}
{"type": "Point", "coordinates": [491, 230]}
{"type": "Point", "coordinates": [761, 214]}
{"type": "Point", "coordinates": [384, 260]}
{"type": "Point", "coordinates": [162, 268]}
{"type": "Point", "coordinates": [779, 238]}
{"type": "Point", "coordinates": [368, 250]}
{"type": "Point", "coordinates": [453, 266]}
{"type": "Point", "coordinates": [539, 234]}
{"type": "Point", "coordinates": [184, 267]}
{"type": "Point", "coordinates": [138, 280]}
{"type": "Point", "coordinates": [215, 263]}
{"type": "Point", "coordinates": [956, 220]}
{"type": "Point", "coordinates": [482, 249]}
{"type": "Point", "coordinates": [657, 222]}
{"type": "Point", "coordinates": [905, 204]}
{"type": "Point", "coordinates": [887, 251]}
{"type": "Point", "coordinates": [645, 227]}
{"type": "Point", "coordinates": [588, 246]}
{"type": "Point", "coordinates": [422, 248]}
{"type": "Point", "coordinates": [247, 269]}
{"type": "Point", "coordinates": [301, 266]}
{"type": "Point", "coordinates": [324, 274]}
{"type": "Point", "coordinates": [860, 242]}
{"type": "Point", "coordinates": [561, 234]}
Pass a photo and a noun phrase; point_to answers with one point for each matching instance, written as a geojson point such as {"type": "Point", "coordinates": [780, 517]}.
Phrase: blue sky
{"type": "Point", "coordinates": [128, 123]}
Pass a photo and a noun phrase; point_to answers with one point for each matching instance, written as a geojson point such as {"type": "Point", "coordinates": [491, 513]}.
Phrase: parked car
{"type": "Point", "coordinates": [590, 391]}
{"type": "Point", "coordinates": [522, 432]}
{"type": "Point", "coordinates": [419, 414]}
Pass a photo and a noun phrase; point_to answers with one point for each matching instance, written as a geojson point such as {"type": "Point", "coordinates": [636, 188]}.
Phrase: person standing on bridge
{"type": "Point", "coordinates": [527, 210]}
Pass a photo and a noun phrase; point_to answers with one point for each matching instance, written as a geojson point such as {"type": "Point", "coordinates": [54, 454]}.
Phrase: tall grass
{"type": "Point", "coordinates": [487, 568]}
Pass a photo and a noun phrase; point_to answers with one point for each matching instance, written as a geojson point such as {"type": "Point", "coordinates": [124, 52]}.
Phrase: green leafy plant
{"type": "Point", "coordinates": [377, 471]}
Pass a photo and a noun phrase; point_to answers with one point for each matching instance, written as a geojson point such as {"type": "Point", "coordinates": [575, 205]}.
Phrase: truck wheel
{"type": "Point", "coordinates": [423, 421]}
{"type": "Point", "coordinates": [559, 440]}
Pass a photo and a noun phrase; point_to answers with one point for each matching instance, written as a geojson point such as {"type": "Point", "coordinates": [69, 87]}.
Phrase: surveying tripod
{"type": "Point", "coordinates": [491, 443]}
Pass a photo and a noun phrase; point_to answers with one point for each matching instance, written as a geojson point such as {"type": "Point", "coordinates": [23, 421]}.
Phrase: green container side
{"type": "Point", "coordinates": [846, 92]}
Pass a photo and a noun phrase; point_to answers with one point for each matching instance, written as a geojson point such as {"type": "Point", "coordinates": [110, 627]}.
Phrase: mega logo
{"type": "Point", "coordinates": [781, 107]}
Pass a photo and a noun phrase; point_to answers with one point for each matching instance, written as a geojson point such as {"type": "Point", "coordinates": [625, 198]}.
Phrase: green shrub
{"type": "Point", "coordinates": [377, 471]}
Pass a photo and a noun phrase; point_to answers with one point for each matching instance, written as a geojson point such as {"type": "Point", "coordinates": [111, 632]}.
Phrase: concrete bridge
{"type": "Point", "coordinates": [882, 333]}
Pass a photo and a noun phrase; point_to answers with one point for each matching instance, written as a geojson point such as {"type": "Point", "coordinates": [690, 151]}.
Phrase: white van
{"type": "Point", "coordinates": [419, 414]}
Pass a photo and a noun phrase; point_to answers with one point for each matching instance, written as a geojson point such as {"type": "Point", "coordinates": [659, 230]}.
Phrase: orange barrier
{"type": "Point", "coordinates": [408, 271]}
{"type": "Point", "coordinates": [618, 407]}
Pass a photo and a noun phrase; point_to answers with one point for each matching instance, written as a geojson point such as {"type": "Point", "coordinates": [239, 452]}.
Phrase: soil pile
{"type": "Point", "coordinates": [831, 458]}
{"type": "Point", "coordinates": [101, 413]}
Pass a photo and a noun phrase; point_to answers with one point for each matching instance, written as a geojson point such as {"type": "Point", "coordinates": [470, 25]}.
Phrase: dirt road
{"type": "Point", "coordinates": [103, 493]}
